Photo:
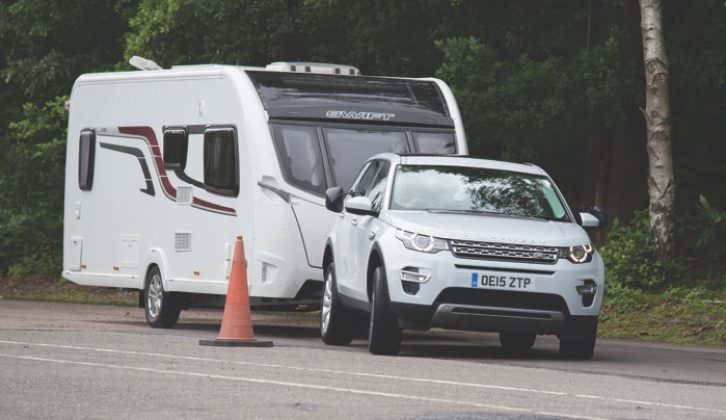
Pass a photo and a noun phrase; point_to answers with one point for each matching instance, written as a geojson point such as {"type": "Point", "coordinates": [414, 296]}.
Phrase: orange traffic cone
{"type": "Point", "coordinates": [236, 330]}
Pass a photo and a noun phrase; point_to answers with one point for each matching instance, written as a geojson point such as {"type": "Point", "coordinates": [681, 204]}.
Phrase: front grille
{"type": "Point", "coordinates": [505, 252]}
{"type": "Point", "coordinates": [503, 299]}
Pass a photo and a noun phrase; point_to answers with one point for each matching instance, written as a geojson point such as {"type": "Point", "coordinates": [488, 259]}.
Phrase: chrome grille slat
{"type": "Point", "coordinates": [505, 252]}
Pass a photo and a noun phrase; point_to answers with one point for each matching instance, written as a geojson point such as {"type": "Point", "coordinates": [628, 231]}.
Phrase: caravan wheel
{"type": "Point", "coordinates": [161, 307]}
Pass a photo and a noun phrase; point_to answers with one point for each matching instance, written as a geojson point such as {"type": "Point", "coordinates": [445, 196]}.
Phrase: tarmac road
{"type": "Point", "coordinates": [86, 361]}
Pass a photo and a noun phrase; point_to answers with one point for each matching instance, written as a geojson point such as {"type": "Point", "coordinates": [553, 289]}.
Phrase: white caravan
{"type": "Point", "coordinates": [164, 167]}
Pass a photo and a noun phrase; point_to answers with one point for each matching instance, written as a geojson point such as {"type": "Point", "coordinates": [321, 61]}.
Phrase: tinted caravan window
{"type": "Point", "coordinates": [434, 143]}
{"type": "Point", "coordinates": [86, 158]}
{"type": "Point", "coordinates": [348, 149]}
{"type": "Point", "coordinates": [300, 157]}
{"type": "Point", "coordinates": [221, 169]}
{"type": "Point", "coordinates": [176, 144]}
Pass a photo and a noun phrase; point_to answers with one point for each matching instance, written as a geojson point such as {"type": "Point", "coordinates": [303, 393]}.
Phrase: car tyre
{"type": "Point", "coordinates": [384, 334]}
{"type": "Point", "coordinates": [580, 346]}
{"type": "Point", "coordinates": [517, 343]}
{"type": "Point", "coordinates": [337, 323]}
{"type": "Point", "coordinates": [162, 308]}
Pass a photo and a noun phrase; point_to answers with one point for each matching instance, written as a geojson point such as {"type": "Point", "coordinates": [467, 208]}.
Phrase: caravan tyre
{"type": "Point", "coordinates": [161, 307]}
{"type": "Point", "coordinates": [337, 323]}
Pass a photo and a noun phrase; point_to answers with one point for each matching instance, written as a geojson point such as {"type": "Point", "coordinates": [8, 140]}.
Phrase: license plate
{"type": "Point", "coordinates": [501, 281]}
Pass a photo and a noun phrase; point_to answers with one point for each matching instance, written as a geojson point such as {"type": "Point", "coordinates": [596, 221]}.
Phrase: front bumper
{"type": "Point", "coordinates": [451, 298]}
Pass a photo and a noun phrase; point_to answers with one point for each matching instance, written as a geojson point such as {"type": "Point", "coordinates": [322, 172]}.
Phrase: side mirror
{"type": "Point", "coordinates": [360, 205]}
{"type": "Point", "coordinates": [334, 199]}
{"type": "Point", "coordinates": [592, 218]}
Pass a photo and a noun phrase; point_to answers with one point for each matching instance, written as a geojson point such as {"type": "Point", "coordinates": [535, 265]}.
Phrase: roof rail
{"type": "Point", "coordinates": [318, 68]}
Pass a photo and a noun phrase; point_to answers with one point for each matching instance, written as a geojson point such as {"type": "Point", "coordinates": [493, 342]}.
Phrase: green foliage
{"type": "Point", "coordinates": [391, 38]}
{"type": "Point", "coordinates": [525, 107]}
{"type": "Point", "coordinates": [216, 31]}
{"type": "Point", "coordinates": [31, 206]}
{"type": "Point", "coordinates": [628, 259]}
{"type": "Point", "coordinates": [533, 80]}
{"type": "Point", "coordinates": [620, 296]}
{"type": "Point", "coordinates": [701, 232]}
{"type": "Point", "coordinates": [46, 45]}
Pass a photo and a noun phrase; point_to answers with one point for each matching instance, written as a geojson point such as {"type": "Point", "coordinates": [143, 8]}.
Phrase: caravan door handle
{"type": "Point", "coordinates": [354, 221]}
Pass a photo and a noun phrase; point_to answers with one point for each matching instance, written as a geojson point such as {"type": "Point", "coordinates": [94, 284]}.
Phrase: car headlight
{"type": "Point", "coordinates": [422, 243]}
{"type": "Point", "coordinates": [578, 254]}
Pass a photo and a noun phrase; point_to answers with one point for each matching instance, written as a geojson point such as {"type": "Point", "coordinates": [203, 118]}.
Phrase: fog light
{"type": "Point", "coordinates": [589, 288]}
{"type": "Point", "coordinates": [414, 275]}
{"type": "Point", "coordinates": [587, 291]}
{"type": "Point", "coordinates": [410, 287]}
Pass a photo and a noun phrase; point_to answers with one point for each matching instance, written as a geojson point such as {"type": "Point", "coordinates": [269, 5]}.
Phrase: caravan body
{"type": "Point", "coordinates": [165, 168]}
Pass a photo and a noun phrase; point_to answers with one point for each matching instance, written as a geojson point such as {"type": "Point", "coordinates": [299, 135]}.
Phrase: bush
{"type": "Point", "coordinates": [629, 261]}
{"type": "Point", "coordinates": [702, 232]}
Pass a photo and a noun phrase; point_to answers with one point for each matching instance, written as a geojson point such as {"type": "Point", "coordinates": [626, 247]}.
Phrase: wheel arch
{"type": "Point", "coordinates": [155, 257]}
{"type": "Point", "coordinates": [327, 255]}
{"type": "Point", "coordinates": [375, 259]}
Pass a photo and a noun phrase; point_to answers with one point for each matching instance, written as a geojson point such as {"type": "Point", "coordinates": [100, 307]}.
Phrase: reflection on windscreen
{"type": "Point", "coordinates": [465, 189]}
{"type": "Point", "coordinates": [348, 149]}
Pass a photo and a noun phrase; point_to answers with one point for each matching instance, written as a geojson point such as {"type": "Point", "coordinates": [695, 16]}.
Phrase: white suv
{"type": "Point", "coordinates": [460, 243]}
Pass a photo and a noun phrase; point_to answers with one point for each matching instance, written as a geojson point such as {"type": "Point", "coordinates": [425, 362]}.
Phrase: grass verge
{"type": "Point", "coordinates": [676, 315]}
{"type": "Point", "coordinates": [61, 290]}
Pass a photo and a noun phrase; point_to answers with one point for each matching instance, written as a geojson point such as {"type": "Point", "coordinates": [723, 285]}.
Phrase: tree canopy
{"type": "Point", "coordinates": [556, 83]}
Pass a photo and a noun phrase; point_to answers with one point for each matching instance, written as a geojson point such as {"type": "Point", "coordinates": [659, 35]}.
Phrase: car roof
{"type": "Point", "coordinates": [460, 160]}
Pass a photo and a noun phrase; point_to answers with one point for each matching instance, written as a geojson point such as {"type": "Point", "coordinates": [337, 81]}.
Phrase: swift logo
{"type": "Point", "coordinates": [360, 115]}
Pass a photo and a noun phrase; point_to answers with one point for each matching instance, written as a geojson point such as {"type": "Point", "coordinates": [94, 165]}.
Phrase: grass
{"type": "Point", "coordinates": [62, 290]}
{"type": "Point", "coordinates": [695, 315]}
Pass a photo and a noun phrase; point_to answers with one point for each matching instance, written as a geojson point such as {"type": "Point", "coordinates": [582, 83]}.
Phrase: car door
{"type": "Point", "coordinates": [366, 229]}
{"type": "Point", "coordinates": [346, 229]}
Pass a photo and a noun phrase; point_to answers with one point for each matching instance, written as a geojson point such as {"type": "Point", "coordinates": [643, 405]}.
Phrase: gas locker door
{"type": "Point", "coordinates": [315, 223]}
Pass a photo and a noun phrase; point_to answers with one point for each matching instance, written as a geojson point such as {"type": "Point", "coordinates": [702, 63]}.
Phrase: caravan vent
{"type": "Point", "coordinates": [184, 195]}
{"type": "Point", "coordinates": [183, 241]}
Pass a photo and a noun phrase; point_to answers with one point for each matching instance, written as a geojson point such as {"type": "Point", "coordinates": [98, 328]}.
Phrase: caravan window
{"type": "Point", "coordinates": [221, 169]}
{"type": "Point", "coordinates": [434, 142]}
{"type": "Point", "coordinates": [86, 158]}
{"type": "Point", "coordinates": [300, 157]}
{"type": "Point", "coordinates": [176, 143]}
{"type": "Point", "coordinates": [348, 149]}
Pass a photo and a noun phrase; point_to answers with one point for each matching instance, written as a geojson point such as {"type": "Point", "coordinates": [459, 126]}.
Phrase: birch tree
{"type": "Point", "coordinates": [657, 113]}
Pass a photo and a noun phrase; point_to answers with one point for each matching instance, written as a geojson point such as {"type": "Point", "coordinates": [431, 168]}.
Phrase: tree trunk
{"type": "Point", "coordinates": [661, 183]}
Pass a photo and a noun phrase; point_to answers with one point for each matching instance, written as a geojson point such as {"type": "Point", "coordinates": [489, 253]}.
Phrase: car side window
{"type": "Point", "coordinates": [364, 181]}
{"type": "Point", "coordinates": [378, 187]}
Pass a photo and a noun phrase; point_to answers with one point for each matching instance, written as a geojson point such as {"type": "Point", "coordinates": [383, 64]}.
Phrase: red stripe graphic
{"type": "Point", "coordinates": [147, 133]}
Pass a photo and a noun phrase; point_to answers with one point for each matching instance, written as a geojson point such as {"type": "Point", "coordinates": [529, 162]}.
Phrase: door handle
{"type": "Point", "coordinates": [354, 221]}
{"type": "Point", "coordinates": [371, 235]}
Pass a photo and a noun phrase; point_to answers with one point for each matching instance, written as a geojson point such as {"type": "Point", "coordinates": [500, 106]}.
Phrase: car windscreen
{"type": "Point", "coordinates": [461, 189]}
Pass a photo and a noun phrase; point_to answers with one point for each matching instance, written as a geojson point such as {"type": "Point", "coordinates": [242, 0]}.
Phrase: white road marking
{"type": "Point", "coordinates": [300, 385]}
{"type": "Point", "coordinates": [380, 376]}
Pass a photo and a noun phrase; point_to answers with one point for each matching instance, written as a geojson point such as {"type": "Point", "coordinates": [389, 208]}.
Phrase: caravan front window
{"type": "Point", "coordinates": [434, 142]}
{"type": "Point", "coordinates": [348, 149]}
{"type": "Point", "coordinates": [300, 158]}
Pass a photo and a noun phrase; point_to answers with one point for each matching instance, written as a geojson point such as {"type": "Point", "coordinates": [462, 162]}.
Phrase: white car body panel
{"type": "Point", "coordinates": [446, 271]}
